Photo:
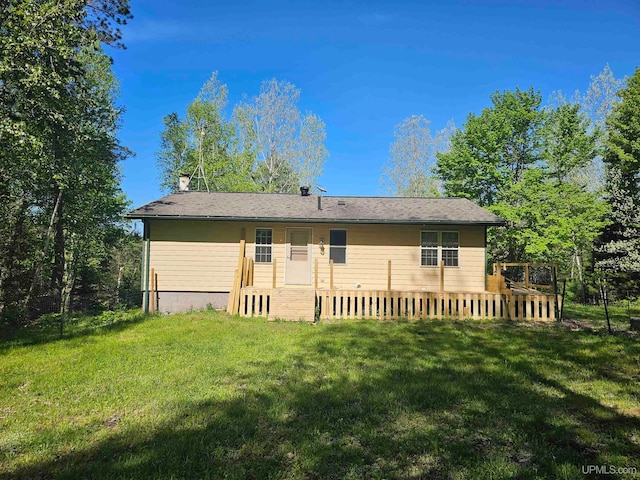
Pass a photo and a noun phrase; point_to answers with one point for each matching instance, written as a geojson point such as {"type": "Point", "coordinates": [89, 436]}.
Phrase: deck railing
{"type": "Point", "coordinates": [390, 305]}
{"type": "Point", "coordinates": [255, 302]}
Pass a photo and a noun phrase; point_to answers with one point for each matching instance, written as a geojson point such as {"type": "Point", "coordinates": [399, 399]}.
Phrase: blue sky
{"type": "Point", "coordinates": [362, 66]}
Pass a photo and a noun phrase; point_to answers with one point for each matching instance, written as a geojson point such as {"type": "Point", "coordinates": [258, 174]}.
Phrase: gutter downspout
{"type": "Point", "coordinates": [146, 256]}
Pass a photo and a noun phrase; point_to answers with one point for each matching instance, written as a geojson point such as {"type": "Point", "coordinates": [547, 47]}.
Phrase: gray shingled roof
{"type": "Point", "coordinates": [296, 208]}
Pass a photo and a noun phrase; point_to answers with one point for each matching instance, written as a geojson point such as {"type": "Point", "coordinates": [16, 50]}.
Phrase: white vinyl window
{"type": "Point", "coordinates": [439, 246]}
{"type": "Point", "coordinates": [429, 249]}
{"type": "Point", "coordinates": [264, 241]}
{"type": "Point", "coordinates": [450, 246]}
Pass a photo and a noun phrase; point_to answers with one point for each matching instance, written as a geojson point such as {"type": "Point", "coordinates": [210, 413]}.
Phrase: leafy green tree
{"type": "Point", "coordinates": [619, 250]}
{"type": "Point", "coordinates": [570, 148]}
{"type": "Point", "coordinates": [47, 112]}
{"type": "Point", "coordinates": [553, 222]}
{"type": "Point", "coordinates": [204, 137]}
{"type": "Point", "coordinates": [493, 150]}
{"type": "Point", "coordinates": [568, 145]}
{"type": "Point", "coordinates": [523, 162]}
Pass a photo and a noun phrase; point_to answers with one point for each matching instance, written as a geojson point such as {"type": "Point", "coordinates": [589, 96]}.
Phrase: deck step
{"type": "Point", "coordinates": [293, 304]}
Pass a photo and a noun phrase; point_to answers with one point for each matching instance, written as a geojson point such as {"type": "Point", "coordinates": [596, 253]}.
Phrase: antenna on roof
{"type": "Point", "coordinates": [198, 173]}
{"type": "Point", "coordinates": [322, 190]}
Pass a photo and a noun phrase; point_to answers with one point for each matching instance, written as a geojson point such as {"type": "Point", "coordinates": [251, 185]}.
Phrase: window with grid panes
{"type": "Point", "coordinates": [429, 249]}
{"type": "Point", "coordinates": [439, 246]}
{"type": "Point", "coordinates": [264, 241]}
{"type": "Point", "coordinates": [450, 246]}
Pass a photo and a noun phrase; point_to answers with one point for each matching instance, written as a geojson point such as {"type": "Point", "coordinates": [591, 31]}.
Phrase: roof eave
{"type": "Point", "coordinates": [488, 223]}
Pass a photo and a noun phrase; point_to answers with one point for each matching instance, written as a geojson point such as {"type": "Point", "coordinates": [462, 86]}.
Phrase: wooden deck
{"type": "Point", "coordinates": [312, 304]}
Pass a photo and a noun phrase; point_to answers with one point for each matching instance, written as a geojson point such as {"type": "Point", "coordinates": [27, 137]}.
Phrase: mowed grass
{"type": "Point", "coordinates": [206, 395]}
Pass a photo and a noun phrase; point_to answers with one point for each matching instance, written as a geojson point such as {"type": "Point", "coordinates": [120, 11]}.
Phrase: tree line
{"type": "Point", "coordinates": [61, 206]}
{"type": "Point", "coordinates": [564, 176]}
{"type": "Point", "coordinates": [266, 144]}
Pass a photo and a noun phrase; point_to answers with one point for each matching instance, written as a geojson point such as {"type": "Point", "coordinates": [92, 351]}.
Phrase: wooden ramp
{"type": "Point", "coordinates": [293, 304]}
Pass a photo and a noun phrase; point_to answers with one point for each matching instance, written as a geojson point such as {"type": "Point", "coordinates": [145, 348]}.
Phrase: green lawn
{"type": "Point", "coordinates": [205, 395]}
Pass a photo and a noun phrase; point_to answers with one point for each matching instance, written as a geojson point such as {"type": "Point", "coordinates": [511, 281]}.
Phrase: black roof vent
{"type": "Point", "coordinates": [341, 202]}
{"type": "Point", "coordinates": [304, 191]}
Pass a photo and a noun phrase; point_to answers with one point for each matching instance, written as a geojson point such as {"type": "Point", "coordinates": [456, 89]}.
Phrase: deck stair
{"type": "Point", "coordinates": [293, 304]}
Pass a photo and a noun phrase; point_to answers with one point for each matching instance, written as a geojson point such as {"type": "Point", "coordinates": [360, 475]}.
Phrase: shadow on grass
{"type": "Point", "coordinates": [423, 400]}
{"type": "Point", "coordinates": [48, 329]}
{"type": "Point", "coordinates": [593, 316]}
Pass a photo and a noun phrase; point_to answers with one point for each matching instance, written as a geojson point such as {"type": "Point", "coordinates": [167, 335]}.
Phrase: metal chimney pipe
{"type": "Point", "coordinates": [321, 190]}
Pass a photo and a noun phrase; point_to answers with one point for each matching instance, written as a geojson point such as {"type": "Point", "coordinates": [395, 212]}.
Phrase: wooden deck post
{"type": "Point", "coordinates": [234, 295]}
{"type": "Point", "coordinates": [315, 275]}
{"type": "Point", "coordinates": [250, 280]}
{"type": "Point", "coordinates": [526, 275]}
{"type": "Point", "coordinates": [153, 292]}
{"type": "Point", "coordinates": [389, 275]}
{"type": "Point", "coordinates": [442, 275]}
{"type": "Point", "coordinates": [275, 269]}
{"type": "Point", "coordinates": [331, 274]}
{"type": "Point", "coordinates": [247, 271]}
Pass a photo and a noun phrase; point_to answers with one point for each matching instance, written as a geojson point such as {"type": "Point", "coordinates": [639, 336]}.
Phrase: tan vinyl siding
{"type": "Point", "coordinates": [203, 255]}
{"type": "Point", "coordinates": [370, 247]}
{"type": "Point", "coordinates": [194, 256]}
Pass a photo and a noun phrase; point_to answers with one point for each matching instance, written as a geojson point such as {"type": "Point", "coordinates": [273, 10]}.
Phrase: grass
{"type": "Point", "coordinates": [205, 395]}
{"type": "Point", "coordinates": [594, 317]}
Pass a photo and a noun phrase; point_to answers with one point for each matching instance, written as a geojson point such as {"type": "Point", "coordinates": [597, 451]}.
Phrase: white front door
{"type": "Point", "coordinates": [298, 263]}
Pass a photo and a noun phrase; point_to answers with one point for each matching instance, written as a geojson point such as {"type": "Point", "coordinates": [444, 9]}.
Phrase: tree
{"type": "Point", "coordinates": [619, 249]}
{"type": "Point", "coordinates": [570, 147]}
{"type": "Point", "coordinates": [522, 162]}
{"type": "Point", "coordinates": [204, 137]}
{"type": "Point", "coordinates": [49, 114]}
{"type": "Point", "coordinates": [288, 150]}
{"type": "Point", "coordinates": [569, 143]}
{"type": "Point", "coordinates": [601, 96]}
{"type": "Point", "coordinates": [493, 150]}
{"type": "Point", "coordinates": [311, 152]}
{"type": "Point", "coordinates": [409, 172]}
{"type": "Point", "coordinates": [596, 105]}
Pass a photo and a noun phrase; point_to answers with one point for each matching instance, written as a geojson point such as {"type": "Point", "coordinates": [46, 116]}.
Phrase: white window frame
{"type": "Point", "coordinates": [450, 249]}
{"type": "Point", "coordinates": [263, 245]}
{"type": "Point", "coordinates": [346, 243]}
{"type": "Point", "coordinates": [440, 248]}
{"type": "Point", "coordinates": [431, 248]}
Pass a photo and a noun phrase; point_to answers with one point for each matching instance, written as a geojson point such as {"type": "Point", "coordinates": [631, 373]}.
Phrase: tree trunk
{"type": "Point", "coordinates": [57, 274]}
{"type": "Point", "coordinates": [583, 292]}
{"type": "Point", "coordinates": [11, 282]}
{"type": "Point", "coordinates": [45, 250]}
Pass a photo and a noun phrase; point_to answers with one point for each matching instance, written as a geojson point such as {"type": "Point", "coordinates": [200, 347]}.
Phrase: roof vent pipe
{"type": "Point", "coordinates": [322, 190]}
{"type": "Point", "coordinates": [184, 182]}
{"type": "Point", "coordinates": [304, 191]}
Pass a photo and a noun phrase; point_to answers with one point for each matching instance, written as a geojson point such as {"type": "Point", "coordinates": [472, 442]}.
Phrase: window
{"type": "Point", "coordinates": [439, 246]}
{"type": "Point", "coordinates": [429, 249]}
{"type": "Point", "coordinates": [264, 240]}
{"type": "Point", "coordinates": [338, 246]}
{"type": "Point", "coordinates": [450, 249]}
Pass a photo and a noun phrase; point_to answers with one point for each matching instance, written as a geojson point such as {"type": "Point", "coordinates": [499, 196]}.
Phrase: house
{"type": "Point", "coordinates": [268, 254]}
